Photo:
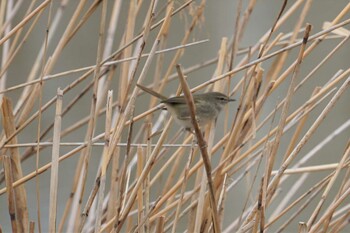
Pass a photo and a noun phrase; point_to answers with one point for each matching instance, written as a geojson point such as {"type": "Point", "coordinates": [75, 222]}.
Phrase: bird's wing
{"type": "Point", "coordinates": [176, 100]}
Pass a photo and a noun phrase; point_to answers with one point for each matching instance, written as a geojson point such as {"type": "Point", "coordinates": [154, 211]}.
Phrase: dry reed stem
{"type": "Point", "coordinates": [278, 67]}
{"type": "Point", "coordinates": [236, 33]}
{"type": "Point", "coordinates": [182, 191]}
{"type": "Point", "coordinates": [329, 55]}
{"type": "Point", "coordinates": [141, 47]}
{"type": "Point", "coordinates": [302, 227]}
{"type": "Point", "coordinates": [54, 161]}
{"type": "Point", "coordinates": [307, 136]}
{"type": "Point", "coordinates": [49, 65]}
{"type": "Point", "coordinates": [160, 225]}
{"type": "Point", "coordinates": [20, 195]}
{"type": "Point", "coordinates": [288, 151]}
{"type": "Point", "coordinates": [263, 58]}
{"type": "Point", "coordinates": [147, 185]}
{"type": "Point", "coordinates": [298, 211]}
{"type": "Point", "coordinates": [160, 22]}
{"type": "Point", "coordinates": [31, 227]}
{"type": "Point", "coordinates": [129, 31]}
{"type": "Point", "coordinates": [178, 154]}
{"type": "Point", "coordinates": [202, 215]}
{"type": "Point", "coordinates": [86, 153]}
{"type": "Point", "coordinates": [174, 61]}
{"type": "Point", "coordinates": [10, 193]}
{"type": "Point", "coordinates": [39, 59]}
{"type": "Point", "coordinates": [104, 82]}
{"type": "Point", "coordinates": [310, 169]}
{"type": "Point", "coordinates": [259, 143]}
{"type": "Point", "coordinates": [328, 188]}
{"type": "Point", "coordinates": [55, 155]}
{"type": "Point", "coordinates": [160, 60]}
{"type": "Point", "coordinates": [232, 141]}
{"type": "Point", "coordinates": [329, 212]}
{"type": "Point", "coordinates": [313, 191]}
{"type": "Point", "coordinates": [105, 160]}
{"type": "Point", "coordinates": [110, 63]}
{"type": "Point", "coordinates": [146, 169]}
{"type": "Point", "coordinates": [222, 199]}
{"type": "Point", "coordinates": [284, 114]}
{"type": "Point", "coordinates": [203, 148]}
{"type": "Point", "coordinates": [13, 51]}
{"type": "Point", "coordinates": [140, 204]}
{"type": "Point", "coordinates": [275, 180]}
{"type": "Point", "coordinates": [123, 144]}
{"type": "Point", "coordinates": [24, 21]}
{"type": "Point", "coordinates": [116, 135]}
{"type": "Point", "coordinates": [299, 129]}
{"type": "Point", "coordinates": [339, 224]}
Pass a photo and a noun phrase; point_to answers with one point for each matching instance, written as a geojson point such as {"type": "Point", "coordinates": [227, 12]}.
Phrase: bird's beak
{"type": "Point", "coordinates": [231, 100]}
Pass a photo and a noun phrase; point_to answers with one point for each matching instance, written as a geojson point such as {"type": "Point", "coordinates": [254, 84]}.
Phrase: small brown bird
{"type": "Point", "coordinates": [207, 105]}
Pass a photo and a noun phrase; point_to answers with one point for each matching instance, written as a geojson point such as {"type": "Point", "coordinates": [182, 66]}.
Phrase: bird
{"type": "Point", "coordinates": [207, 106]}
